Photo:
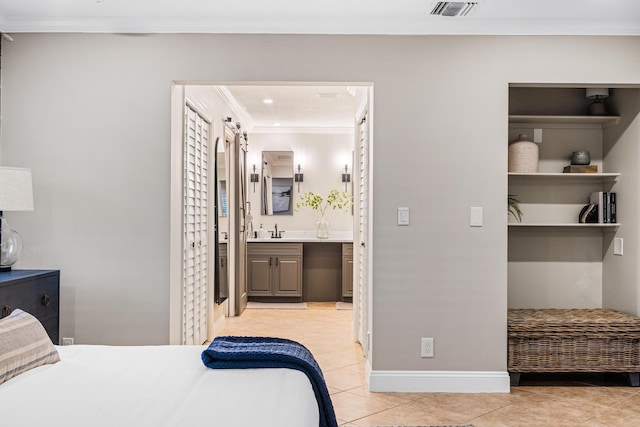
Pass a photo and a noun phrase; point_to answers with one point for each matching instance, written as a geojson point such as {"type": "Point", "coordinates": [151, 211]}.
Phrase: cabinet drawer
{"type": "Point", "coordinates": [274, 249]}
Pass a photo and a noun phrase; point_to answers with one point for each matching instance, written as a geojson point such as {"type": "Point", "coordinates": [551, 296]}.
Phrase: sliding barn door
{"type": "Point", "coordinates": [195, 228]}
{"type": "Point", "coordinates": [240, 223]}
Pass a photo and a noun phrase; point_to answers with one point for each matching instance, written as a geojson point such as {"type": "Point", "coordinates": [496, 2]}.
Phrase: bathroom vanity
{"type": "Point", "coordinates": [301, 268]}
{"type": "Point", "coordinates": [274, 270]}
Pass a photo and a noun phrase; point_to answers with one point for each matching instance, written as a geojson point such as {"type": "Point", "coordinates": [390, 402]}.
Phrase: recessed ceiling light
{"type": "Point", "coordinates": [267, 101]}
{"type": "Point", "coordinates": [276, 124]}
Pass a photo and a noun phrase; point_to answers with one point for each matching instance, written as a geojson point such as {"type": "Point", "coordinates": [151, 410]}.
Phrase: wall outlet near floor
{"type": "Point", "coordinates": [426, 347]}
{"type": "Point", "coordinates": [67, 341]}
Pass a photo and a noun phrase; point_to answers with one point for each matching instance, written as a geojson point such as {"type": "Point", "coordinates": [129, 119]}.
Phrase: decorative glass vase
{"type": "Point", "coordinates": [323, 228]}
{"type": "Point", "coordinates": [10, 245]}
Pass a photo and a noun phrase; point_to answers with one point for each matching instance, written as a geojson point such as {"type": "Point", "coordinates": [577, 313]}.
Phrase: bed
{"type": "Point", "coordinates": [153, 386]}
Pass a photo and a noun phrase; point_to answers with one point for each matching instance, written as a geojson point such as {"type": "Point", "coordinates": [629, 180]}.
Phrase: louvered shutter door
{"type": "Point", "coordinates": [196, 151]}
{"type": "Point", "coordinates": [363, 229]}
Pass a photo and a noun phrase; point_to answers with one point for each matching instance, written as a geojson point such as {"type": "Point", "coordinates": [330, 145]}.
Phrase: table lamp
{"type": "Point", "coordinates": [597, 94]}
{"type": "Point", "coordinates": [16, 194]}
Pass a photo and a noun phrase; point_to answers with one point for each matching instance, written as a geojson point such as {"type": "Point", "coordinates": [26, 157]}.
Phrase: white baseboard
{"type": "Point", "coordinates": [440, 381]}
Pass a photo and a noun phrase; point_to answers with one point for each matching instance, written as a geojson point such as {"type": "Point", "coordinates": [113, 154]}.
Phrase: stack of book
{"type": "Point", "coordinates": [606, 205]}
{"type": "Point", "coordinates": [580, 169]}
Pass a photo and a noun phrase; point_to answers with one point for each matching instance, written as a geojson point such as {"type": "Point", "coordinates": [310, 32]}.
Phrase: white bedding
{"type": "Point", "coordinates": [154, 386]}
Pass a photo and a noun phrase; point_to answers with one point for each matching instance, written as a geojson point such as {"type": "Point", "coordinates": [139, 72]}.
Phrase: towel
{"type": "Point", "coordinates": [233, 352]}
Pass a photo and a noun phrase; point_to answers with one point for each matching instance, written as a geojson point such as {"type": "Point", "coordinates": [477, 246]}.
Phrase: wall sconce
{"type": "Point", "coordinates": [298, 177]}
{"type": "Point", "coordinates": [597, 94]}
{"type": "Point", "coordinates": [255, 177]}
{"type": "Point", "coordinates": [346, 178]}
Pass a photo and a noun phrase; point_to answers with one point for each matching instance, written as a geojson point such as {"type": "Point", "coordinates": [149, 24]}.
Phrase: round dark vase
{"type": "Point", "coordinates": [580, 157]}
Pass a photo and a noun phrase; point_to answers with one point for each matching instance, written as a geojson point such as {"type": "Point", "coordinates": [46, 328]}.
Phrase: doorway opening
{"type": "Point", "coordinates": [324, 131]}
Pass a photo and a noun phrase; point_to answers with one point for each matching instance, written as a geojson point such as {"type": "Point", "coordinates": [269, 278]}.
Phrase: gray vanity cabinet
{"type": "Point", "coordinates": [347, 270]}
{"type": "Point", "coordinates": [274, 269]}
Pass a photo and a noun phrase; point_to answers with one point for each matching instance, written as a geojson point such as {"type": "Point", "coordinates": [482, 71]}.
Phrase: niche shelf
{"type": "Point", "coordinates": [604, 121]}
{"type": "Point", "coordinates": [566, 225]}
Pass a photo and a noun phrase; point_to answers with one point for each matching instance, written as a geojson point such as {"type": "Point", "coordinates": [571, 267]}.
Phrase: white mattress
{"type": "Point", "coordinates": [154, 386]}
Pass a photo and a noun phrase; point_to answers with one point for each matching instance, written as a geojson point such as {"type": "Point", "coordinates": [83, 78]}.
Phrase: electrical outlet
{"type": "Point", "coordinates": [67, 341]}
{"type": "Point", "coordinates": [403, 216]}
{"type": "Point", "coordinates": [426, 349]}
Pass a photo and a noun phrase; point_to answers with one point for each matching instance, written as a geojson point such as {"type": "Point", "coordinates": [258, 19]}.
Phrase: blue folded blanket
{"type": "Point", "coordinates": [231, 352]}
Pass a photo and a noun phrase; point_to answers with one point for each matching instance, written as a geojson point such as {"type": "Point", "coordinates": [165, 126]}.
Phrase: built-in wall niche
{"type": "Point", "coordinates": [553, 261]}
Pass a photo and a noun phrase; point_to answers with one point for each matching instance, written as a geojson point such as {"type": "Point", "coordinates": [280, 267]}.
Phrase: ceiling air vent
{"type": "Point", "coordinates": [453, 8]}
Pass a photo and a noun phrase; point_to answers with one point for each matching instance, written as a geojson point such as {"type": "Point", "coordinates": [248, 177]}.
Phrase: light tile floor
{"type": "Point", "coordinates": [326, 332]}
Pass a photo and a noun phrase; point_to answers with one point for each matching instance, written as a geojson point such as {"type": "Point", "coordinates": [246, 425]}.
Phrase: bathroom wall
{"type": "Point", "coordinates": [322, 158]}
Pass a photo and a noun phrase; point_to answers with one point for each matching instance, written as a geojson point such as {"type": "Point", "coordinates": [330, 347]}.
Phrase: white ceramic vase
{"type": "Point", "coordinates": [523, 155]}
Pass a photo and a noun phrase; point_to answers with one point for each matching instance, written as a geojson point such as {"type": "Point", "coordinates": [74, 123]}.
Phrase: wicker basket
{"type": "Point", "coordinates": [574, 340]}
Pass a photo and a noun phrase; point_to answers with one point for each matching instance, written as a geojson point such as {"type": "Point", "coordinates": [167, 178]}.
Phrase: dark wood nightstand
{"type": "Point", "coordinates": [35, 291]}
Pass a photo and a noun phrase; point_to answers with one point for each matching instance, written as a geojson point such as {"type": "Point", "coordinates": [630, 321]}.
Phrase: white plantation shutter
{"type": "Point", "coordinates": [195, 226]}
{"type": "Point", "coordinates": [363, 230]}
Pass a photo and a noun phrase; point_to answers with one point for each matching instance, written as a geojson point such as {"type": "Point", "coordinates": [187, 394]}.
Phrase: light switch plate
{"type": "Point", "coordinates": [618, 246]}
{"type": "Point", "coordinates": [403, 216]}
{"type": "Point", "coordinates": [537, 136]}
{"type": "Point", "coordinates": [476, 217]}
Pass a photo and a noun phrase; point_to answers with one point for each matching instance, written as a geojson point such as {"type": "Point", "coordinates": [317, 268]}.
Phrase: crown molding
{"type": "Point", "coordinates": [355, 26]}
{"type": "Point", "coordinates": [3, 23]}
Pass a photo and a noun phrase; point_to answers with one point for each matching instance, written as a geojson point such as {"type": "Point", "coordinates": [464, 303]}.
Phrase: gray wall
{"type": "Point", "coordinates": [622, 152]}
{"type": "Point", "coordinates": [90, 114]}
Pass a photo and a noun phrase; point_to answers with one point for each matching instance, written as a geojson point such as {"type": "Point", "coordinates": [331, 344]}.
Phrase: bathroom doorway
{"type": "Point", "coordinates": [286, 123]}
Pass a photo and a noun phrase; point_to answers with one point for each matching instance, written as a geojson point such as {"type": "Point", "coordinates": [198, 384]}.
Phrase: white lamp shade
{"type": "Point", "coordinates": [16, 189]}
{"type": "Point", "coordinates": [597, 92]}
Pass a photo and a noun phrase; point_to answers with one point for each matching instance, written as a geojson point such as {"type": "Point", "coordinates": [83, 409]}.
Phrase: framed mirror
{"type": "Point", "coordinates": [277, 183]}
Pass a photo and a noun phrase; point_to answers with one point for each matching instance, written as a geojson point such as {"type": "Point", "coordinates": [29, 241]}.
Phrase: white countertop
{"type": "Point", "coordinates": [307, 236]}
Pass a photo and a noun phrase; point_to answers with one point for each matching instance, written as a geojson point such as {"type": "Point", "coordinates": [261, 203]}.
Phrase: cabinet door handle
{"type": "Point", "coordinates": [270, 260]}
{"type": "Point", "coordinates": [6, 310]}
{"type": "Point", "coordinates": [221, 262]}
{"type": "Point", "coordinates": [46, 300]}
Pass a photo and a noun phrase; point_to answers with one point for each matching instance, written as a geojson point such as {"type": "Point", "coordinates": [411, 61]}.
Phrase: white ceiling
{"type": "Point", "coordinates": [299, 108]}
{"type": "Point", "coordinates": [579, 17]}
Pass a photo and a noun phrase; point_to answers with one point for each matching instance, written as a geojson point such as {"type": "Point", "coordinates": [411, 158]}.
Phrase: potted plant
{"type": "Point", "coordinates": [513, 207]}
{"type": "Point", "coordinates": [340, 200]}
